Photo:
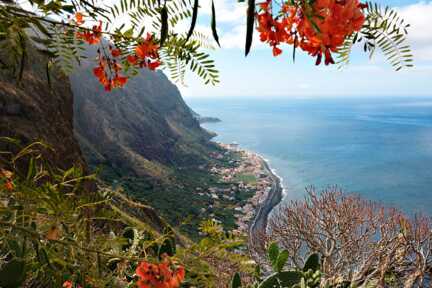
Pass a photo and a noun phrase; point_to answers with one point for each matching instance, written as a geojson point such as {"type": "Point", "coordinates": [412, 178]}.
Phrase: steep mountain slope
{"type": "Point", "coordinates": [36, 109]}
{"type": "Point", "coordinates": [145, 129]}
{"type": "Point", "coordinates": [32, 110]}
{"type": "Point", "coordinates": [147, 141]}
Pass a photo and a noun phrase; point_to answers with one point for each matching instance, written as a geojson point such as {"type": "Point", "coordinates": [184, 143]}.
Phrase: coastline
{"type": "Point", "coordinates": [255, 212]}
{"type": "Point", "coordinates": [274, 197]}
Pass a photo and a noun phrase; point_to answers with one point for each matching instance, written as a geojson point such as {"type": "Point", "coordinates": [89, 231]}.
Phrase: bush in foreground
{"type": "Point", "coordinates": [56, 233]}
{"type": "Point", "coordinates": [360, 242]}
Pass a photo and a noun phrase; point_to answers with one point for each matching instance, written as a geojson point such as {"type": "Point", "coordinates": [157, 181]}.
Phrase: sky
{"type": "Point", "coordinates": [262, 75]}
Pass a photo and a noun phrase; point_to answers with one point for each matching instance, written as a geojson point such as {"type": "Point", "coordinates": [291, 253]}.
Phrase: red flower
{"type": "Point", "coordinates": [101, 75]}
{"type": "Point", "coordinates": [109, 70]}
{"type": "Point", "coordinates": [99, 72]}
{"type": "Point", "coordinates": [146, 54]}
{"type": "Point", "coordinates": [147, 48]}
{"type": "Point", "coordinates": [153, 65]}
{"type": "Point", "coordinates": [119, 81]}
{"type": "Point", "coordinates": [116, 52]}
{"type": "Point", "coordinates": [8, 176]}
{"type": "Point", "coordinates": [9, 185]}
{"type": "Point", "coordinates": [79, 18]}
{"type": "Point", "coordinates": [132, 59]}
{"type": "Point", "coordinates": [318, 28]}
{"type": "Point", "coordinates": [91, 37]}
{"type": "Point", "coordinates": [277, 30]}
{"type": "Point", "coordinates": [265, 5]}
{"type": "Point", "coordinates": [276, 51]}
{"type": "Point", "coordinates": [335, 20]}
{"type": "Point", "coordinates": [69, 284]}
{"type": "Point", "coordinates": [161, 275]}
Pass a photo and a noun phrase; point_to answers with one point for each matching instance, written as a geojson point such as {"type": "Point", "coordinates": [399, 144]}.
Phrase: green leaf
{"type": "Point", "coordinates": [273, 253]}
{"type": "Point", "coordinates": [44, 258]}
{"type": "Point", "coordinates": [236, 281]}
{"type": "Point", "coordinates": [289, 278]}
{"type": "Point", "coordinates": [302, 283]}
{"type": "Point", "coordinates": [12, 273]}
{"type": "Point", "coordinates": [269, 282]}
{"type": "Point", "coordinates": [164, 25]}
{"type": "Point", "coordinates": [257, 273]}
{"type": "Point", "coordinates": [194, 18]}
{"type": "Point", "coordinates": [213, 24]}
{"type": "Point", "coordinates": [312, 263]}
{"type": "Point", "coordinates": [282, 279]}
{"type": "Point", "coordinates": [68, 8]}
{"type": "Point", "coordinates": [48, 75]}
{"type": "Point", "coordinates": [250, 21]}
{"type": "Point", "coordinates": [167, 247]}
{"type": "Point", "coordinates": [42, 28]}
{"type": "Point", "coordinates": [281, 260]}
{"type": "Point", "coordinates": [129, 33]}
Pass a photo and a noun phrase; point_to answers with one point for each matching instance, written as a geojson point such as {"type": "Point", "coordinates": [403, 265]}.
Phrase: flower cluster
{"type": "Point", "coordinates": [110, 71]}
{"type": "Point", "coordinates": [146, 54]}
{"type": "Point", "coordinates": [319, 28]}
{"type": "Point", "coordinates": [160, 275]}
{"type": "Point", "coordinates": [276, 30]}
{"type": "Point", "coordinates": [92, 36]}
{"type": "Point", "coordinates": [7, 177]}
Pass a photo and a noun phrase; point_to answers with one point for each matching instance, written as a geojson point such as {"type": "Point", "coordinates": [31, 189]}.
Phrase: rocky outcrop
{"type": "Point", "coordinates": [35, 110]}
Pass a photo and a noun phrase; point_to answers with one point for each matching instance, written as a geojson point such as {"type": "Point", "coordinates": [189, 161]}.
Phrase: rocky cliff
{"type": "Point", "coordinates": [145, 129]}
{"type": "Point", "coordinates": [35, 110]}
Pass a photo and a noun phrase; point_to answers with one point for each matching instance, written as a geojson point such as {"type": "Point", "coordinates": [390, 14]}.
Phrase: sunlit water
{"type": "Point", "coordinates": [379, 148]}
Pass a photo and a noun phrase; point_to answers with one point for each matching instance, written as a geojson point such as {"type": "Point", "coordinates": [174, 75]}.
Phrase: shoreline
{"type": "Point", "coordinates": [274, 197]}
{"type": "Point", "coordinates": [254, 223]}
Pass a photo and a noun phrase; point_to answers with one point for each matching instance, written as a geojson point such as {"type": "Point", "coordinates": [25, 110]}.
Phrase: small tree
{"type": "Point", "coordinates": [360, 241]}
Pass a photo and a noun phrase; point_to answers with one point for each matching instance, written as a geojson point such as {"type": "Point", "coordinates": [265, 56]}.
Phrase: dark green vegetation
{"type": "Point", "coordinates": [54, 233]}
{"type": "Point", "coordinates": [182, 197]}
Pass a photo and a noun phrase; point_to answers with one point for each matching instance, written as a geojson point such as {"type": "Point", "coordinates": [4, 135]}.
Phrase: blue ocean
{"type": "Point", "coordinates": [379, 148]}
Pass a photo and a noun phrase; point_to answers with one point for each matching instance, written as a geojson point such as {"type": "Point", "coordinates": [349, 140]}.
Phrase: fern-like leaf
{"type": "Point", "coordinates": [386, 30]}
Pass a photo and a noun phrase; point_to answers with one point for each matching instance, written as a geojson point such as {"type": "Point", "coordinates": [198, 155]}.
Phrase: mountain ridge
{"type": "Point", "coordinates": [144, 129]}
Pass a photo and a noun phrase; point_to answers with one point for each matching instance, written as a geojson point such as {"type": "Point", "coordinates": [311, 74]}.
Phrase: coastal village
{"type": "Point", "coordinates": [245, 173]}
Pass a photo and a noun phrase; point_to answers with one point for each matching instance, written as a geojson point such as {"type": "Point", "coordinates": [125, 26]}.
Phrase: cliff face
{"type": "Point", "coordinates": [145, 129]}
{"type": "Point", "coordinates": [32, 110]}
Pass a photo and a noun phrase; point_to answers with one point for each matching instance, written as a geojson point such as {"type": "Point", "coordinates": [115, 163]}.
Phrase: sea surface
{"type": "Point", "coordinates": [380, 148]}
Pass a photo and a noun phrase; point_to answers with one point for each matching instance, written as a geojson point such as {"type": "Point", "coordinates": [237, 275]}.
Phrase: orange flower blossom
{"type": "Point", "coordinates": [318, 28]}
{"type": "Point", "coordinates": [146, 54]}
{"type": "Point", "coordinates": [79, 18]}
{"type": "Point", "coordinates": [108, 73]}
{"type": "Point", "coordinates": [160, 275]}
{"type": "Point", "coordinates": [92, 36]}
{"type": "Point", "coordinates": [8, 176]}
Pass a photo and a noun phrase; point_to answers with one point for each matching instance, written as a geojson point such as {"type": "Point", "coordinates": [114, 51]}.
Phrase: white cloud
{"type": "Point", "coordinates": [235, 39]}
{"type": "Point", "coordinates": [419, 16]}
{"type": "Point", "coordinates": [231, 19]}
{"type": "Point", "coordinates": [226, 11]}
